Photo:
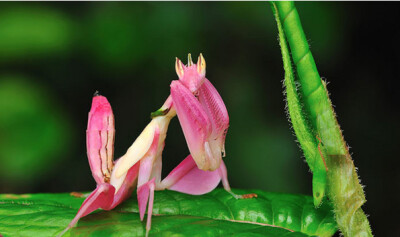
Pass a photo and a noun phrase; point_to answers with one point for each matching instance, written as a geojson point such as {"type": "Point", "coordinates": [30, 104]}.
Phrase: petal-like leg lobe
{"type": "Point", "coordinates": [147, 162]}
{"type": "Point", "coordinates": [100, 139]}
{"type": "Point", "coordinates": [215, 108]}
{"type": "Point", "coordinates": [127, 186]}
{"type": "Point", "coordinates": [194, 121]}
{"type": "Point", "coordinates": [101, 197]}
{"type": "Point", "coordinates": [187, 178]}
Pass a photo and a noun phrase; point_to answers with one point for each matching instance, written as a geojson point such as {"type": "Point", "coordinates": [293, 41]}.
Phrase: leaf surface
{"type": "Point", "coordinates": [214, 214]}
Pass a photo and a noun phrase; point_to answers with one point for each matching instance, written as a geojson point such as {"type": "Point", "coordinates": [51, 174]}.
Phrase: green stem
{"type": "Point", "coordinates": [314, 93]}
{"type": "Point", "coordinates": [344, 189]}
{"type": "Point", "coordinates": [301, 126]}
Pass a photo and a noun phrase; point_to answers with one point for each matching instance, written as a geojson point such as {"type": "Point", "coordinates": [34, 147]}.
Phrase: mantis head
{"type": "Point", "coordinates": [191, 75]}
{"type": "Point", "coordinates": [201, 112]}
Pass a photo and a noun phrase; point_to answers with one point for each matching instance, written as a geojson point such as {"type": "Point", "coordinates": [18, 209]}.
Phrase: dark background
{"type": "Point", "coordinates": [53, 56]}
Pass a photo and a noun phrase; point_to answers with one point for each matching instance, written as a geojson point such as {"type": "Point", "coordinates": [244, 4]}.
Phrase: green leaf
{"type": "Point", "coordinates": [343, 186]}
{"type": "Point", "coordinates": [213, 214]}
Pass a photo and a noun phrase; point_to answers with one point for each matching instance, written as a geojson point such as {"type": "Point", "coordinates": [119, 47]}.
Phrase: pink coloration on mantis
{"type": "Point", "coordinates": [100, 139]}
{"type": "Point", "coordinates": [201, 112]}
{"type": "Point", "coordinates": [187, 178]}
{"type": "Point", "coordinates": [204, 120]}
{"type": "Point", "coordinates": [112, 190]}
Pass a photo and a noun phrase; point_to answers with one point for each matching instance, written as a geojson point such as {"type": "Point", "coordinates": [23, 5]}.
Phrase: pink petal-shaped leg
{"type": "Point", "coordinates": [178, 172]}
{"type": "Point", "coordinates": [100, 139]}
{"type": "Point", "coordinates": [195, 124]}
{"type": "Point", "coordinates": [187, 178]}
{"type": "Point", "coordinates": [147, 162]}
{"type": "Point", "coordinates": [127, 186]}
{"type": "Point", "coordinates": [224, 176]}
{"type": "Point", "coordinates": [101, 197]}
{"type": "Point", "coordinates": [215, 108]}
{"type": "Point", "coordinates": [143, 193]}
{"type": "Point", "coordinates": [146, 187]}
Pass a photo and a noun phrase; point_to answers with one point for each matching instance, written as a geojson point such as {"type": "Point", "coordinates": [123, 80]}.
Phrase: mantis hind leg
{"type": "Point", "coordinates": [101, 197]}
{"type": "Point", "coordinates": [188, 178]}
{"type": "Point", "coordinates": [223, 173]}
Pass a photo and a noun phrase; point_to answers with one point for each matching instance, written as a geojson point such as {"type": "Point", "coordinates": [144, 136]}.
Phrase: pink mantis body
{"type": "Point", "coordinates": [204, 120]}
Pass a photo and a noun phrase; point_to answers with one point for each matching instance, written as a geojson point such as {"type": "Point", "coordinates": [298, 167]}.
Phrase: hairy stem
{"type": "Point", "coordinates": [343, 186]}
{"type": "Point", "coordinates": [300, 123]}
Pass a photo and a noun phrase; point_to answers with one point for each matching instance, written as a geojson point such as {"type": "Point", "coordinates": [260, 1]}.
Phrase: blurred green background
{"type": "Point", "coordinates": [53, 56]}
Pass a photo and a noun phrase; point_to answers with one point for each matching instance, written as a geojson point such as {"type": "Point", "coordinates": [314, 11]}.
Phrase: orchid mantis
{"type": "Point", "coordinates": [204, 120]}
